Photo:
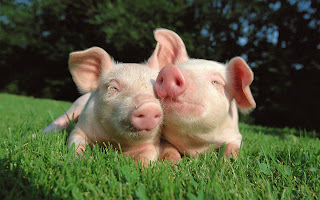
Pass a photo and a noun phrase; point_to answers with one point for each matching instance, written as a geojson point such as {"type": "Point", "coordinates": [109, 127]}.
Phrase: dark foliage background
{"type": "Point", "coordinates": [280, 40]}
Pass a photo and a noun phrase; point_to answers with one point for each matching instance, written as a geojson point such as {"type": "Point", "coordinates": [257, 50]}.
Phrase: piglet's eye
{"type": "Point", "coordinates": [112, 88]}
{"type": "Point", "coordinates": [215, 82]}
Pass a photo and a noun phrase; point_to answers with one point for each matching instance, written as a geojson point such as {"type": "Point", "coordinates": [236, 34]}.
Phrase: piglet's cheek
{"type": "Point", "coordinates": [221, 90]}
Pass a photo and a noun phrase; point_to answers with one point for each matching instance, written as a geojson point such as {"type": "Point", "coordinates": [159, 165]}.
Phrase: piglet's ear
{"type": "Point", "coordinates": [170, 49]}
{"type": "Point", "coordinates": [86, 67]}
{"type": "Point", "coordinates": [241, 77]}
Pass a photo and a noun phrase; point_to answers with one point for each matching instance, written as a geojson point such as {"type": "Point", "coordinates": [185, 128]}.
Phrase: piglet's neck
{"type": "Point", "coordinates": [181, 131]}
{"type": "Point", "coordinates": [194, 137]}
{"type": "Point", "coordinates": [186, 142]}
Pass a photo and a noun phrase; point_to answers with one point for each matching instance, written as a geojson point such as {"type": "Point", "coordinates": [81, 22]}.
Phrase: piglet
{"type": "Point", "coordinates": [200, 97]}
{"type": "Point", "coordinates": [121, 107]}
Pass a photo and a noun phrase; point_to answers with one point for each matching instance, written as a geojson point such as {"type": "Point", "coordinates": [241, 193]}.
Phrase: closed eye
{"type": "Point", "coordinates": [111, 87]}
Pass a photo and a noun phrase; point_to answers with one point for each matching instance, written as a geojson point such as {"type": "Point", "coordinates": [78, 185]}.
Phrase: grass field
{"type": "Point", "coordinates": [274, 164]}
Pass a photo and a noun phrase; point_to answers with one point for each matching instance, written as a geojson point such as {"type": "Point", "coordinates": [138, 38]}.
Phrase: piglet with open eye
{"type": "Point", "coordinates": [200, 97]}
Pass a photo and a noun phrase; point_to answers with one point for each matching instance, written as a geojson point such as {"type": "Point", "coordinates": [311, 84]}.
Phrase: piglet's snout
{"type": "Point", "coordinates": [170, 82]}
{"type": "Point", "coordinates": [147, 116]}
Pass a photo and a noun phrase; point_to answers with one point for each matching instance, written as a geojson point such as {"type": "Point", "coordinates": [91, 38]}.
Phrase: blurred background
{"type": "Point", "coordinates": [280, 40]}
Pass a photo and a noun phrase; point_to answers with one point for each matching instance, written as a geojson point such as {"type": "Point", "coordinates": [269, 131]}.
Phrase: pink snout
{"type": "Point", "coordinates": [170, 82]}
{"type": "Point", "coordinates": [147, 116]}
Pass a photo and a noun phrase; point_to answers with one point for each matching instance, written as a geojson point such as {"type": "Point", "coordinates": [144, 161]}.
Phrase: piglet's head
{"type": "Point", "coordinates": [123, 94]}
{"type": "Point", "coordinates": [199, 91]}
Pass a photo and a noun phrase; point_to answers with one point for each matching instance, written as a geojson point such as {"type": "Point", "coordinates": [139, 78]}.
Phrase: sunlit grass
{"type": "Point", "coordinates": [273, 164]}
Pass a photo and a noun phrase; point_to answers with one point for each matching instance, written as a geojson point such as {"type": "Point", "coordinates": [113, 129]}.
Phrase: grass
{"type": "Point", "coordinates": [274, 164]}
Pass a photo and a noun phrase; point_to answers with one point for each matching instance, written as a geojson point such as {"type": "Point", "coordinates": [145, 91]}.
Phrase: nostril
{"type": "Point", "coordinates": [178, 83]}
{"type": "Point", "coordinates": [160, 80]}
{"type": "Point", "coordinates": [140, 116]}
{"type": "Point", "coordinates": [157, 116]}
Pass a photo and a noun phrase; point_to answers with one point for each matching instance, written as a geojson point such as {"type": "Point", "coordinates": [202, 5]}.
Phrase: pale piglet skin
{"type": "Point", "coordinates": [122, 109]}
{"type": "Point", "coordinates": [71, 115]}
{"type": "Point", "coordinates": [201, 114]}
{"type": "Point", "coordinates": [200, 98]}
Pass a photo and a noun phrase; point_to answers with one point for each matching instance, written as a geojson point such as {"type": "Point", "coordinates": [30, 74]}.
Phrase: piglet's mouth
{"type": "Point", "coordinates": [143, 133]}
{"type": "Point", "coordinates": [132, 129]}
{"type": "Point", "coordinates": [183, 107]}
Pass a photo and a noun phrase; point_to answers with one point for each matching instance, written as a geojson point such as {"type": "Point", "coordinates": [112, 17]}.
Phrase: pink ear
{"type": "Point", "coordinates": [86, 66]}
{"type": "Point", "coordinates": [241, 77]}
{"type": "Point", "coordinates": [170, 49]}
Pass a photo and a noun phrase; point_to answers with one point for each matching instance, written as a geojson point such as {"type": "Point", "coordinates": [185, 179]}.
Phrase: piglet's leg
{"type": "Point", "coordinates": [79, 139]}
{"type": "Point", "coordinates": [169, 152]}
{"type": "Point", "coordinates": [232, 150]}
{"type": "Point", "coordinates": [145, 153]}
{"type": "Point", "coordinates": [147, 157]}
{"type": "Point", "coordinates": [74, 111]}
